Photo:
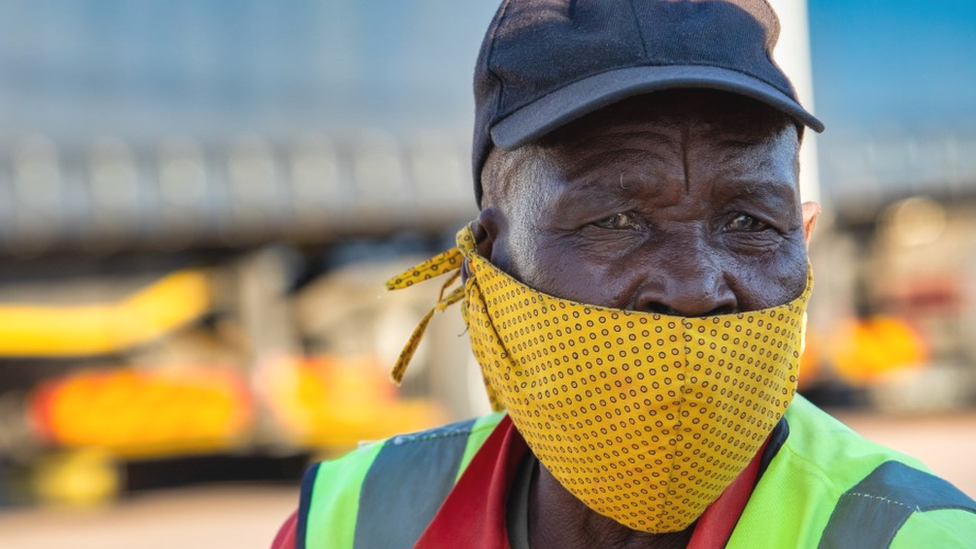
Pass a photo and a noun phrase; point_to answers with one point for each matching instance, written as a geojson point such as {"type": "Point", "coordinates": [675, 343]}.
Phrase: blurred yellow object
{"type": "Point", "coordinates": [866, 350]}
{"type": "Point", "coordinates": [337, 403]}
{"type": "Point", "coordinates": [80, 478]}
{"type": "Point", "coordinates": [135, 414]}
{"type": "Point", "coordinates": [165, 305]}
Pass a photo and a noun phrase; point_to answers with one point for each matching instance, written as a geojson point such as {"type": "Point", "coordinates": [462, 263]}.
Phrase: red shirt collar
{"type": "Point", "coordinates": [474, 513]}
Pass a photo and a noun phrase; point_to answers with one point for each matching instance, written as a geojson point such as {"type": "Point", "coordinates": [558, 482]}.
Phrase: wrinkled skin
{"type": "Point", "coordinates": [684, 203]}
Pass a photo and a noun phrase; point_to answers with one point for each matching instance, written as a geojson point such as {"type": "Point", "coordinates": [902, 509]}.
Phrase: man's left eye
{"type": "Point", "coordinates": [745, 222]}
{"type": "Point", "coordinates": [617, 221]}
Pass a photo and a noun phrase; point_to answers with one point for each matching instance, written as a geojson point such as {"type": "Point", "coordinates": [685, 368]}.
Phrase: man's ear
{"type": "Point", "coordinates": [810, 212]}
{"type": "Point", "coordinates": [487, 227]}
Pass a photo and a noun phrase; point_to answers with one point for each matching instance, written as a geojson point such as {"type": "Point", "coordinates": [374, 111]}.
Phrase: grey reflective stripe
{"type": "Point", "coordinates": [304, 503]}
{"type": "Point", "coordinates": [870, 514]}
{"type": "Point", "coordinates": [406, 485]}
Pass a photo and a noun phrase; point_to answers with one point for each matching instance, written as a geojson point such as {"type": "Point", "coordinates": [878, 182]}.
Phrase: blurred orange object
{"type": "Point", "coordinates": [136, 414]}
{"type": "Point", "coordinates": [811, 361]}
{"type": "Point", "coordinates": [866, 350]}
{"type": "Point", "coordinates": [334, 402]}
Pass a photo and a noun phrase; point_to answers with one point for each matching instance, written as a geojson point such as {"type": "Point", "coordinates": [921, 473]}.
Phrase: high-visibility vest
{"type": "Point", "coordinates": [825, 488]}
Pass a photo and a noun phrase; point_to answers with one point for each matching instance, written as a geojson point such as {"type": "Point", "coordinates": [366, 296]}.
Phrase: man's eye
{"type": "Point", "coordinates": [617, 221]}
{"type": "Point", "coordinates": [744, 222]}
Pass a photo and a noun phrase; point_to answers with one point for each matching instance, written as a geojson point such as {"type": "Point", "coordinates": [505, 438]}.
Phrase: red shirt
{"type": "Point", "coordinates": [474, 513]}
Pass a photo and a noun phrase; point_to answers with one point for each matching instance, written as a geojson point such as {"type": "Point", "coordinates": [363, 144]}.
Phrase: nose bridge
{"type": "Point", "coordinates": [688, 279]}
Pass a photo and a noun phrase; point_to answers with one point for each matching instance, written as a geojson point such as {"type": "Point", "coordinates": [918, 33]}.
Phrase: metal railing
{"type": "Point", "coordinates": [181, 193]}
{"type": "Point", "coordinates": [860, 175]}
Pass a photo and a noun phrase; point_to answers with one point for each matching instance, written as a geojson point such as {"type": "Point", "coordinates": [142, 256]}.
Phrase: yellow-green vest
{"type": "Point", "coordinates": [826, 487]}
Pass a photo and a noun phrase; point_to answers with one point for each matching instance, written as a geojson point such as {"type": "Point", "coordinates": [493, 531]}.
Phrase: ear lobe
{"type": "Point", "coordinates": [810, 212]}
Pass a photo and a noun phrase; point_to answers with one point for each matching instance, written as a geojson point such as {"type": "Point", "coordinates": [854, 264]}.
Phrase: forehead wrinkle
{"type": "Point", "coordinates": [747, 156]}
{"type": "Point", "coordinates": [764, 189]}
{"type": "Point", "coordinates": [608, 136]}
{"type": "Point", "coordinates": [594, 150]}
{"type": "Point", "coordinates": [618, 191]}
{"type": "Point", "coordinates": [774, 192]}
{"type": "Point", "coordinates": [629, 164]}
{"type": "Point", "coordinates": [757, 176]}
{"type": "Point", "coordinates": [592, 195]}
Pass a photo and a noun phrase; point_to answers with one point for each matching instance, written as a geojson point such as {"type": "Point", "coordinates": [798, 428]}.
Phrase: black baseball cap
{"type": "Point", "coordinates": [544, 63]}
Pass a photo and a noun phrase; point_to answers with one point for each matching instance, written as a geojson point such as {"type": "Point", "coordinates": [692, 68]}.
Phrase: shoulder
{"type": "Point", "coordinates": [842, 487]}
{"type": "Point", "coordinates": [463, 436]}
{"type": "Point", "coordinates": [900, 501]}
{"type": "Point", "coordinates": [401, 479]}
{"type": "Point", "coordinates": [830, 451]}
{"type": "Point", "coordinates": [452, 438]}
{"type": "Point", "coordinates": [943, 528]}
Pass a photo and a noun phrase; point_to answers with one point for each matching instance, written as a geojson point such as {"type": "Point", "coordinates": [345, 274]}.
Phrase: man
{"type": "Point", "coordinates": [634, 289]}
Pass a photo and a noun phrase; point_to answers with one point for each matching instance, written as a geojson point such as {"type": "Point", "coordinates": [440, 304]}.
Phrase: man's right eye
{"type": "Point", "coordinates": [617, 221]}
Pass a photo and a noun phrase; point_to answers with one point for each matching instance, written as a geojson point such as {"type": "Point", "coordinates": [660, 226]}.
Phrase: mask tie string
{"type": "Point", "coordinates": [450, 261]}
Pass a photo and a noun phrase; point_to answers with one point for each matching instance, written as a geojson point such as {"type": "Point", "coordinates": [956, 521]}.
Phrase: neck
{"type": "Point", "coordinates": [558, 520]}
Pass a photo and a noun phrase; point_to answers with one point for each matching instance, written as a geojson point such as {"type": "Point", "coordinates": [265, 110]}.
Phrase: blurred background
{"type": "Point", "coordinates": [200, 201]}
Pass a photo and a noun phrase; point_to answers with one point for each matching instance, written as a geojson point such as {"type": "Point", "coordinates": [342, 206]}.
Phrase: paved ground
{"type": "Point", "coordinates": [247, 517]}
{"type": "Point", "coordinates": [212, 518]}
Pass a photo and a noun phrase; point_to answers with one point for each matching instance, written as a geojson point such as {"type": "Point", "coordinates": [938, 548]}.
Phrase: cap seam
{"type": "Point", "coordinates": [502, 13]}
{"type": "Point", "coordinates": [640, 33]}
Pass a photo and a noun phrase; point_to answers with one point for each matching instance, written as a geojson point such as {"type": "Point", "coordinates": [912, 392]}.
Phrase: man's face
{"type": "Point", "coordinates": [677, 209]}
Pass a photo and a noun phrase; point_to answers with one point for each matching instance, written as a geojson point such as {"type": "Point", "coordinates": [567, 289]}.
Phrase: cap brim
{"type": "Point", "coordinates": [585, 96]}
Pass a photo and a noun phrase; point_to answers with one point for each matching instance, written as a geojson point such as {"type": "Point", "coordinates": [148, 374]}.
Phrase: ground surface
{"type": "Point", "coordinates": [197, 518]}
{"type": "Point", "coordinates": [247, 517]}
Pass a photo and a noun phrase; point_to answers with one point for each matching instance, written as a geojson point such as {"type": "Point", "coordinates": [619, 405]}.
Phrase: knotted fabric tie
{"type": "Point", "coordinates": [449, 262]}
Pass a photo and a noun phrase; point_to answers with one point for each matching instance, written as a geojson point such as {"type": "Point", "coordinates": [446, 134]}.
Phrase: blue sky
{"type": "Point", "coordinates": [160, 66]}
{"type": "Point", "coordinates": [895, 64]}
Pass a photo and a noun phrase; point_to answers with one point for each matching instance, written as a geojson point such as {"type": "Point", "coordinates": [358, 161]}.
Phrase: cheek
{"type": "Point", "coordinates": [760, 283]}
{"type": "Point", "coordinates": [586, 276]}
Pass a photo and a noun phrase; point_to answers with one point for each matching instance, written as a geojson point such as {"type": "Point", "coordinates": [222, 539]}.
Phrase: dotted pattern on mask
{"type": "Point", "coordinates": [645, 418]}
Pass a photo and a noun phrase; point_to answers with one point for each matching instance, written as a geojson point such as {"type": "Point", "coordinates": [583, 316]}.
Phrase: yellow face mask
{"type": "Point", "coordinates": [645, 418]}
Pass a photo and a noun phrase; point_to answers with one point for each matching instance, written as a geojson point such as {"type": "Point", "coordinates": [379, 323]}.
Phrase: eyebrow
{"type": "Point", "coordinates": [781, 195]}
{"type": "Point", "coordinates": [593, 193]}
